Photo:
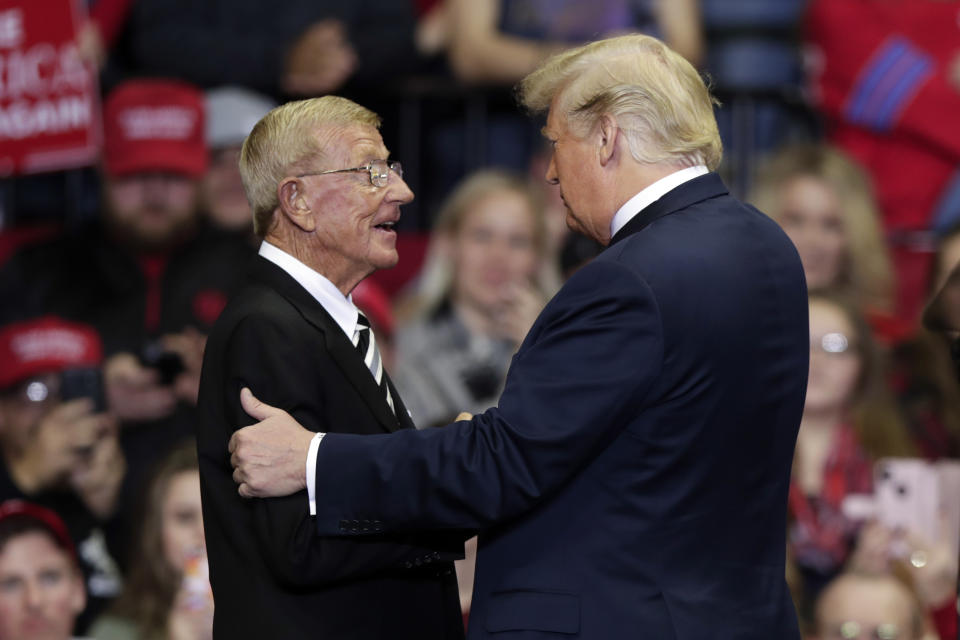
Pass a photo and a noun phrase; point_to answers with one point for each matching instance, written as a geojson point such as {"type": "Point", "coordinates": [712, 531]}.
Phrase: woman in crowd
{"type": "Point", "coordinates": [167, 595]}
{"type": "Point", "coordinates": [924, 379]}
{"type": "Point", "coordinates": [825, 204]}
{"type": "Point", "coordinates": [476, 298]}
{"type": "Point", "coordinates": [849, 421]}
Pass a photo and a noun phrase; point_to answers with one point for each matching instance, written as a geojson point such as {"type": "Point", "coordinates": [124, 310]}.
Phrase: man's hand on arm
{"type": "Point", "coordinates": [269, 458]}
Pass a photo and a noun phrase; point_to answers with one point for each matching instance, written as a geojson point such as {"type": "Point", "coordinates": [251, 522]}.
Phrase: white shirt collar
{"type": "Point", "coordinates": [651, 194]}
{"type": "Point", "coordinates": [340, 307]}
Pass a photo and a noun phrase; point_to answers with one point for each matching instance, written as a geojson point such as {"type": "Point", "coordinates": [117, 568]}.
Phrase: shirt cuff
{"type": "Point", "coordinates": [312, 472]}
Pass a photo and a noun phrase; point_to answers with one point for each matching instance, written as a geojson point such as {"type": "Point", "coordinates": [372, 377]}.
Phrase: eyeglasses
{"type": "Point", "coordinates": [832, 344]}
{"type": "Point", "coordinates": [379, 171]}
{"type": "Point", "coordinates": [855, 631]}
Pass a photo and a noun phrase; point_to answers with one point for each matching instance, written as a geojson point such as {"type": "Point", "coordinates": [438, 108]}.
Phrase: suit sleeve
{"type": "Point", "coordinates": [876, 78]}
{"type": "Point", "coordinates": [580, 375]}
{"type": "Point", "coordinates": [266, 358]}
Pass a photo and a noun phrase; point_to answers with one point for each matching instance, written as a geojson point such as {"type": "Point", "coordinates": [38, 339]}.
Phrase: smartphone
{"type": "Point", "coordinates": [167, 363]}
{"type": "Point", "coordinates": [919, 496]}
{"type": "Point", "coordinates": [83, 382]}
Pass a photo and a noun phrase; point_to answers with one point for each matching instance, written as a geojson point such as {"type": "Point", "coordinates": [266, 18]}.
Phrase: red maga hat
{"type": "Point", "coordinates": [23, 510]}
{"type": "Point", "coordinates": [154, 125]}
{"type": "Point", "coordinates": [45, 345]}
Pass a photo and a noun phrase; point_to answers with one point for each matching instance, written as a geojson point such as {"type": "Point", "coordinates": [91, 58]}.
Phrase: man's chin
{"type": "Point", "coordinates": [388, 261]}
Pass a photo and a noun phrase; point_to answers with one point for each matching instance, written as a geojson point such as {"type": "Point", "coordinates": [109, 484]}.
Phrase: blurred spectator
{"type": "Point", "coordinates": [944, 315]}
{"type": "Point", "coordinates": [860, 606]}
{"type": "Point", "coordinates": [150, 277]}
{"type": "Point", "coordinates": [168, 592]}
{"type": "Point", "coordinates": [824, 202]}
{"type": "Point", "coordinates": [924, 377]}
{"type": "Point", "coordinates": [231, 113]}
{"type": "Point", "coordinates": [309, 48]}
{"type": "Point", "coordinates": [58, 451]}
{"type": "Point", "coordinates": [885, 74]}
{"type": "Point", "coordinates": [929, 567]}
{"type": "Point", "coordinates": [477, 298]}
{"type": "Point", "coordinates": [849, 420]}
{"type": "Point", "coordinates": [101, 29]}
{"type": "Point", "coordinates": [41, 590]}
{"type": "Point", "coordinates": [501, 41]}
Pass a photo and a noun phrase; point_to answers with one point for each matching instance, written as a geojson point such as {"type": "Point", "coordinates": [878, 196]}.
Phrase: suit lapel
{"type": "Point", "coordinates": [340, 348]}
{"type": "Point", "coordinates": [700, 188]}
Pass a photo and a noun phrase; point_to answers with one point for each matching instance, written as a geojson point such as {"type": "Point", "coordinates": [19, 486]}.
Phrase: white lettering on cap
{"type": "Point", "coordinates": [158, 123]}
{"type": "Point", "coordinates": [44, 344]}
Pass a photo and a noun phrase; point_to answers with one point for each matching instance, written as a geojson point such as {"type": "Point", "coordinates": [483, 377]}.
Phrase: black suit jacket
{"type": "Point", "coordinates": [632, 482]}
{"type": "Point", "coordinates": [271, 575]}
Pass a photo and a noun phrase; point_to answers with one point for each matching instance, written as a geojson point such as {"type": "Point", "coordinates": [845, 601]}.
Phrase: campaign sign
{"type": "Point", "coordinates": [49, 111]}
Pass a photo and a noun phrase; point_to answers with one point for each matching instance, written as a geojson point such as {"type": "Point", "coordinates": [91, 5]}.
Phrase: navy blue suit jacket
{"type": "Point", "coordinates": [632, 482]}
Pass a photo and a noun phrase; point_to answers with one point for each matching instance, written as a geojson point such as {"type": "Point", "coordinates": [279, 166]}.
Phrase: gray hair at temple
{"type": "Point", "coordinates": [656, 97]}
{"type": "Point", "coordinates": [283, 140]}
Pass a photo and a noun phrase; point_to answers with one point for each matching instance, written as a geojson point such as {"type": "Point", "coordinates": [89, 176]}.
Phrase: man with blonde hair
{"type": "Point", "coordinates": [632, 482]}
{"type": "Point", "coordinates": [325, 198]}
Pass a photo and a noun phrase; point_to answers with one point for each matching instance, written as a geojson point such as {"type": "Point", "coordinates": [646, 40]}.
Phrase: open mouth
{"type": "Point", "coordinates": [386, 226]}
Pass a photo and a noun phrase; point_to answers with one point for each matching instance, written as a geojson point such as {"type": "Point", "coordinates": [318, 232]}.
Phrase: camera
{"type": "Point", "coordinates": [167, 363]}
{"type": "Point", "coordinates": [83, 382]}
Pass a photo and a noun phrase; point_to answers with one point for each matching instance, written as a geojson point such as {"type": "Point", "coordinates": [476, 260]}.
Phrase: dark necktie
{"type": "Point", "coordinates": [366, 345]}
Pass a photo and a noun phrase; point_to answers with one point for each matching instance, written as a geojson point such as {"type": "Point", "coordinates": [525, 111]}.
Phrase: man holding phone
{"type": "Point", "coordinates": [59, 447]}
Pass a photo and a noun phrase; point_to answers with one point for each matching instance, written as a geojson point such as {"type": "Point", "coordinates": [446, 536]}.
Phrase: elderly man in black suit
{"type": "Point", "coordinates": [632, 482]}
{"type": "Point", "coordinates": [325, 198]}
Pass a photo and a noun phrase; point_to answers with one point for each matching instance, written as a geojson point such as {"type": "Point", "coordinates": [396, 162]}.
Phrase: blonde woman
{"type": "Point", "coordinates": [824, 202]}
{"type": "Point", "coordinates": [475, 300]}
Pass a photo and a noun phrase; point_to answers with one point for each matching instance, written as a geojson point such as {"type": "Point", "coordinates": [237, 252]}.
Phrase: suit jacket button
{"type": "Point", "coordinates": [408, 564]}
{"type": "Point", "coordinates": [436, 555]}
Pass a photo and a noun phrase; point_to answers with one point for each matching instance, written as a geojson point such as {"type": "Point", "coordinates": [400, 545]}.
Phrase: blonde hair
{"type": "Point", "coordinates": [867, 274]}
{"type": "Point", "coordinates": [283, 140]}
{"type": "Point", "coordinates": [436, 277]}
{"type": "Point", "coordinates": [875, 416]}
{"type": "Point", "coordinates": [656, 97]}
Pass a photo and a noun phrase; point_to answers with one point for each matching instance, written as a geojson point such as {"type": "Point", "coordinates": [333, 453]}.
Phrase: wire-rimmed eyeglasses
{"type": "Point", "coordinates": [379, 171]}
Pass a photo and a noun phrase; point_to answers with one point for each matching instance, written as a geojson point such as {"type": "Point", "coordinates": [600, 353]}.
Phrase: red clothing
{"type": "Point", "coordinates": [881, 75]}
{"type": "Point", "coordinates": [820, 535]}
{"type": "Point", "coordinates": [110, 16]}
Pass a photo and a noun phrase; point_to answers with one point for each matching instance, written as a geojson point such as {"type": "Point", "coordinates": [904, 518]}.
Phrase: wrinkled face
{"type": "Point", "coordinates": [41, 591]}
{"type": "Point", "coordinates": [224, 199]}
{"type": "Point", "coordinates": [573, 166]}
{"type": "Point", "coordinates": [493, 249]}
{"type": "Point", "coordinates": [151, 210]}
{"type": "Point", "coordinates": [834, 359]}
{"type": "Point", "coordinates": [865, 609]}
{"type": "Point", "coordinates": [355, 218]}
{"type": "Point", "coordinates": [182, 520]}
{"type": "Point", "coordinates": [812, 217]}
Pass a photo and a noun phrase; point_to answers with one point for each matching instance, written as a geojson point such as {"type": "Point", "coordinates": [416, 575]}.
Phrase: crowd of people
{"type": "Point", "coordinates": [105, 318]}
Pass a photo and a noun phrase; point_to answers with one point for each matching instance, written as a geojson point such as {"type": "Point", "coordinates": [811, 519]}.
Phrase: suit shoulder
{"type": "Point", "coordinates": [256, 305]}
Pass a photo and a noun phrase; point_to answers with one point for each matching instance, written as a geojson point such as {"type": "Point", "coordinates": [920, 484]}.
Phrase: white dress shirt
{"type": "Point", "coordinates": [651, 194]}
{"type": "Point", "coordinates": [340, 308]}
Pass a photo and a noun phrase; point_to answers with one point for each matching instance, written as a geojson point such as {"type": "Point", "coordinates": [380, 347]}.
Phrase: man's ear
{"type": "Point", "coordinates": [607, 132]}
{"type": "Point", "coordinates": [294, 205]}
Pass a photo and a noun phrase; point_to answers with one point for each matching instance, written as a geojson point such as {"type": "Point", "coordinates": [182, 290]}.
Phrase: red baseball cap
{"type": "Point", "coordinates": [45, 345]}
{"type": "Point", "coordinates": [23, 510]}
{"type": "Point", "coordinates": [154, 125]}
